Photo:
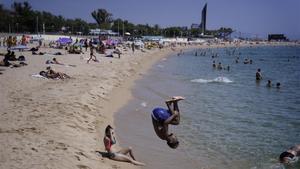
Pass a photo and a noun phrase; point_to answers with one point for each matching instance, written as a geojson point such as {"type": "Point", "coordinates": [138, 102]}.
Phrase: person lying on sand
{"type": "Point", "coordinates": [124, 155]}
{"type": "Point", "coordinates": [40, 53]}
{"type": "Point", "coordinates": [6, 63]}
{"type": "Point", "coordinates": [34, 49]}
{"type": "Point", "coordinates": [14, 65]}
{"type": "Point", "coordinates": [10, 56]}
{"type": "Point", "coordinates": [55, 61]}
{"type": "Point", "coordinates": [291, 155]}
{"type": "Point", "coordinates": [51, 74]}
{"type": "Point", "coordinates": [161, 118]}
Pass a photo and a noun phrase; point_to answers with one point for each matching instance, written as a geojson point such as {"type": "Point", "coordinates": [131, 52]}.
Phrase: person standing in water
{"type": "Point", "coordinates": [124, 155]}
{"type": "Point", "coordinates": [161, 118]}
{"type": "Point", "coordinates": [269, 84]}
{"type": "Point", "coordinates": [214, 64]}
{"type": "Point", "coordinates": [258, 75]}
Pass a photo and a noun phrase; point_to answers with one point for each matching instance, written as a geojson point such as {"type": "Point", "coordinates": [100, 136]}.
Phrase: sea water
{"type": "Point", "coordinates": [228, 119]}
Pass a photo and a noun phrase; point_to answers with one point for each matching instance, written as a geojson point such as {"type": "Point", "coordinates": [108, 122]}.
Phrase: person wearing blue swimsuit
{"type": "Point", "coordinates": [161, 118]}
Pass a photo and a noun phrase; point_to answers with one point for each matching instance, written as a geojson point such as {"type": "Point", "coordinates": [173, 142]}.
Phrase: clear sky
{"type": "Point", "coordinates": [248, 16]}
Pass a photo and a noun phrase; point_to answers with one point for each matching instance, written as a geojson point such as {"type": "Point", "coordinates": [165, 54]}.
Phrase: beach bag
{"type": "Point", "coordinates": [21, 58]}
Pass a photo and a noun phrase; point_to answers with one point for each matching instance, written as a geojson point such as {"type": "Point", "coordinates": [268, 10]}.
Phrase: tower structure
{"type": "Point", "coordinates": [203, 19]}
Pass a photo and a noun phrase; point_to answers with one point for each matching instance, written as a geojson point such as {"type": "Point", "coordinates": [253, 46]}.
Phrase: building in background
{"type": "Point", "coordinates": [195, 26]}
{"type": "Point", "coordinates": [277, 37]}
{"type": "Point", "coordinates": [203, 19]}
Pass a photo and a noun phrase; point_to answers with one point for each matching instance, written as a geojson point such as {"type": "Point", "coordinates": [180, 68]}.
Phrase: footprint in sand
{"type": "Point", "coordinates": [78, 158]}
{"type": "Point", "coordinates": [83, 167]}
{"type": "Point", "coordinates": [115, 167]}
{"type": "Point", "coordinates": [86, 108]}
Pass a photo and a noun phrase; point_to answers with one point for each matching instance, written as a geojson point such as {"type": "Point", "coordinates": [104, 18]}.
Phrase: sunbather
{"type": "Point", "coordinates": [125, 154]}
{"type": "Point", "coordinates": [51, 74]}
{"type": "Point", "coordinates": [56, 62]}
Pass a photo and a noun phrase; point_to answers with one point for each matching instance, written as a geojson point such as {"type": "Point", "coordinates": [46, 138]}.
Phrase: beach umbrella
{"type": "Point", "coordinates": [64, 41]}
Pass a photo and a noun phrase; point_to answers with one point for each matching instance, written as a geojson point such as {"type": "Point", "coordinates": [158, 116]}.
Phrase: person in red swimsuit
{"type": "Point", "coordinates": [125, 154]}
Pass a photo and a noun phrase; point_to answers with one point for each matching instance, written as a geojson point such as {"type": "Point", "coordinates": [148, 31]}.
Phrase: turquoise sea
{"type": "Point", "coordinates": [228, 120]}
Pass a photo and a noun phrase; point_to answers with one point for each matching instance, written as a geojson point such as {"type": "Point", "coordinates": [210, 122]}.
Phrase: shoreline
{"type": "Point", "coordinates": [60, 124]}
{"type": "Point", "coordinates": [125, 90]}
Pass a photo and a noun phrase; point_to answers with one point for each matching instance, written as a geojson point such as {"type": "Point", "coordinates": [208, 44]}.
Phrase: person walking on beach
{"type": "Point", "coordinates": [124, 155]}
{"type": "Point", "coordinates": [258, 75]}
{"type": "Point", "coordinates": [291, 155]}
{"type": "Point", "coordinates": [86, 44]}
{"type": "Point", "coordinates": [92, 54]}
{"type": "Point", "coordinates": [161, 118]}
{"type": "Point", "coordinates": [132, 47]}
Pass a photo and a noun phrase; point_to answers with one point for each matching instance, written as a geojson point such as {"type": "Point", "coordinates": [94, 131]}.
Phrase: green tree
{"type": "Point", "coordinates": [103, 18]}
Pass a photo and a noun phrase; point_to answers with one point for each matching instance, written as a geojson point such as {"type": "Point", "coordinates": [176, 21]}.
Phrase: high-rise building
{"type": "Point", "coordinates": [203, 19]}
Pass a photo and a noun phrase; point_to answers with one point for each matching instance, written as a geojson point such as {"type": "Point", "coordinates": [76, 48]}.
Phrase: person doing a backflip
{"type": "Point", "coordinates": [161, 118]}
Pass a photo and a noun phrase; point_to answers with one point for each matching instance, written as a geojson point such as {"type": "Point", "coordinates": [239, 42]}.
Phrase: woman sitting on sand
{"type": "Point", "coordinates": [122, 155]}
{"type": "Point", "coordinates": [51, 74]}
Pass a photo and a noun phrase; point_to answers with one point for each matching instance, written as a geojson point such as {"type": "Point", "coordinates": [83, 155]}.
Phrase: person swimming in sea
{"type": "Point", "coordinates": [278, 85]}
{"type": "Point", "coordinates": [220, 66]}
{"type": "Point", "coordinates": [269, 84]}
{"type": "Point", "coordinates": [214, 64]}
{"type": "Point", "coordinates": [291, 155]}
{"type": "Point", "coordinates": [161, 118]}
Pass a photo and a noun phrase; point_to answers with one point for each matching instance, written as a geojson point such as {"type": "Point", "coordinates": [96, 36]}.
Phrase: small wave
{"type": "Point", "coordinates": [216, 80]}
{"type": "Point", "coordinates": [160, 66]}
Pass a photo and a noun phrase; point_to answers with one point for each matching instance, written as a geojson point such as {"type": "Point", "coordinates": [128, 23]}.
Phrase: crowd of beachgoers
{"type": "Point", "coordinates": [102, 45]}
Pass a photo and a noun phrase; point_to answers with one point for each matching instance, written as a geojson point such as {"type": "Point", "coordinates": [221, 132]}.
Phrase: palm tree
{"type": "Point", "coordinates": [103, 18]}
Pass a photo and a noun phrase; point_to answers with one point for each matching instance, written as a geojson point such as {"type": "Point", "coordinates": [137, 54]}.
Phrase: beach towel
{"type": "Point", "coordinates": [38, 76]}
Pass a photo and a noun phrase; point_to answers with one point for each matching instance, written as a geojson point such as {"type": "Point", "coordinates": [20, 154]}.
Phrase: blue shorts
{"type": "Point", "coordinates": [160, 114]}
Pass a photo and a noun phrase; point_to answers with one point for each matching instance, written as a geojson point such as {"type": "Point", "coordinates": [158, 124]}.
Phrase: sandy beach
{"type": "Point", "coordinates": [60, 124]}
